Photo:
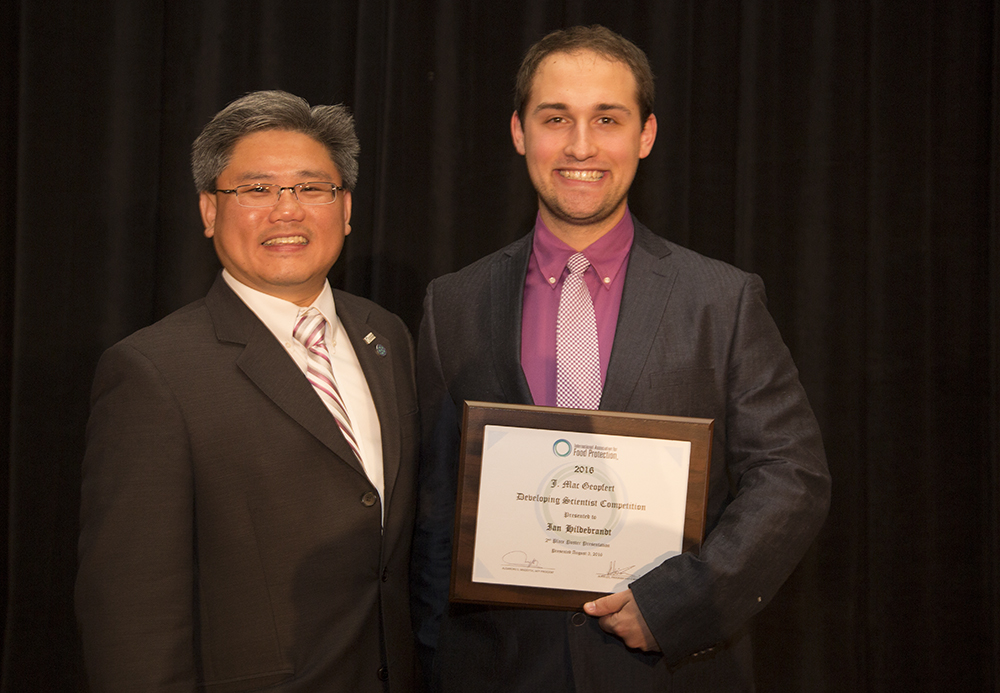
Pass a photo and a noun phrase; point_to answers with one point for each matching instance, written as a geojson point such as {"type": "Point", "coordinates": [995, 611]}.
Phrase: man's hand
{"type": "Point", "coordinates": [619, 615]}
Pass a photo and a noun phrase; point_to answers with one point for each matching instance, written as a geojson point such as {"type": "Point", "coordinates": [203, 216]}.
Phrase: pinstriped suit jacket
{"type": "Point", "coordinates": [694, 338]}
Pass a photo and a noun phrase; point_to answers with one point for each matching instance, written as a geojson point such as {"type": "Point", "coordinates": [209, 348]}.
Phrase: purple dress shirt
{"type": "Point", "coordinates": [543, 284]}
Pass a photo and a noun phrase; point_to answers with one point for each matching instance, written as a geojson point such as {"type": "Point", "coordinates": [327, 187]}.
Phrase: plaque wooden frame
{"type": "Point", "coordinates": [477, 415]}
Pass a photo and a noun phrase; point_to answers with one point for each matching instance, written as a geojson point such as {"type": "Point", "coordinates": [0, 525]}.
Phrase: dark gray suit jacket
{"type": "Point", "coordinates": [230, 539]}
{"type": "Point", "coordinates": [694, 338]}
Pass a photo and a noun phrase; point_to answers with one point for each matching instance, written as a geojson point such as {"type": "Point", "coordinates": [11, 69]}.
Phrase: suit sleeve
{"type": "Point", "coordinates": [134, 589]}
{"type": "Point", "coordinates": [436, 490]}
{"type": "Point", "coordinates": [778, 496]}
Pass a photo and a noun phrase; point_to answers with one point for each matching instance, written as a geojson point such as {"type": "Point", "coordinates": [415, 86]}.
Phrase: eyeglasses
{"type": "Point", "coordinates": [268, 194]}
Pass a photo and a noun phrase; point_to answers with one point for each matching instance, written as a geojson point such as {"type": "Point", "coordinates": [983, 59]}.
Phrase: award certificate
{"type": "Point", "coordinates": [562, 513]}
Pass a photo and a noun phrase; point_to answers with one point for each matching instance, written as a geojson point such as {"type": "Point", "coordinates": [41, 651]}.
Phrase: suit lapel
{"type": "Point", "coordinates": [381, 384]}
{"type": "Point", "coordinates": [648, 282]}
{"type": "Point", "coordinates": [273, 371]}
{"type": "Point", "coordinates": [506, 301]}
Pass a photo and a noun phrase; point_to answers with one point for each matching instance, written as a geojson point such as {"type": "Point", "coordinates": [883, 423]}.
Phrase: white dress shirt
{"type": "Point", "coordinates": [280, 316]}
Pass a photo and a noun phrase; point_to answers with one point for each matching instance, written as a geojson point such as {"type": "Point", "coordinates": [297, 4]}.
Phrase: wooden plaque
{"type": "Point", "coordinates": [478, 415]}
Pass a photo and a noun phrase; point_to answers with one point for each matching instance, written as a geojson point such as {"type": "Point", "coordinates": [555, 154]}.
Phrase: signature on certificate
{"type": "Point", "coordinates": [520, 559]}
{"type": "Point", "coordinates": [616, 573]}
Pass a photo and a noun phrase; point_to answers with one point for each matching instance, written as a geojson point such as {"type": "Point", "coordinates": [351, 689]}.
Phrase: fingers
{"type": "Point", "coordinates": [619, 615]}
{"type": "Point", "coordinates": [610, 604]}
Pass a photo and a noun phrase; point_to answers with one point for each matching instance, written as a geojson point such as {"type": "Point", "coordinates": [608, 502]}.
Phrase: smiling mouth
{"type": "Point", "coordinates": [287, 240]}
{"type": "Point", "coordinates": [574, 174]}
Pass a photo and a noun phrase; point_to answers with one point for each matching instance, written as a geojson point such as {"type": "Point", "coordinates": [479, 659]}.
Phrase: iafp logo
{"type": "Point", "coordinates": [562, 448]}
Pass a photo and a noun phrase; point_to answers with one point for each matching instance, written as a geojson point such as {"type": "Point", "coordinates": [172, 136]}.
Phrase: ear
{"type": "Point", "coordinates": [517, 133]}
{"type": "Point", "coordinates": [347, 211]}
{"type": "Point", "coordinates": [208, 204]}
{"type": "Point", "coordinates": [647, 136]}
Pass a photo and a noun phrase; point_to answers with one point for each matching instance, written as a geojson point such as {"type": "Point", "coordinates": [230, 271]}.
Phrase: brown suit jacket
{"type": "Point", "coordinates": [230, 539]}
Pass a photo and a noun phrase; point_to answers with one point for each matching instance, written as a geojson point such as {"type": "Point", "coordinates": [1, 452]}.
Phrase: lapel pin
{"type": "Point", "coordinates": [380, 350]}
{"type": "Point", "coordinates": [369, 338]}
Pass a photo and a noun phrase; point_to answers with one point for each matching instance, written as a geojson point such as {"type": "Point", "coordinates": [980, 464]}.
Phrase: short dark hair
{"type": "Point", "coordinates": [331, 126]}
{"type": "Point", "coordinates": [598, 39]}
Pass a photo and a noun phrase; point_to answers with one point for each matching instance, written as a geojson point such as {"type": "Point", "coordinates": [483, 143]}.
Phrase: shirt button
{"type": "Point", "coordinates": [552, 280]}
{"type": "Point", "coordinates": [579, 618]}
{"type": "Point", "coordinates": [607, 280]}
{"type": "Point", "coordinates": [368, 500]}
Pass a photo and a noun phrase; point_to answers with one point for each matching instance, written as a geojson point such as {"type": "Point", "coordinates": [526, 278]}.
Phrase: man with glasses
{"type": "Point", "coordinates": [650, 328]}
{"type": "Point", "coordinates": [248, 489]}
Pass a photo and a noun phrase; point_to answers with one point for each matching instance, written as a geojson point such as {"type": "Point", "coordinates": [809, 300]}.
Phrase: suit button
{"type": "Point", "coordinates": [579, 618]}
{"type": "Point", "coordinates": [368, 500]}
{"type": "Point", "coordinates": [385, 574]}
{"type": "Point", "coordinates": [383, 673]}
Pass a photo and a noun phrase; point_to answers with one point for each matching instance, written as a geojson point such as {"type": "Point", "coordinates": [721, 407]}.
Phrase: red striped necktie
{"type": "Point", "coordinates": [310, 330]}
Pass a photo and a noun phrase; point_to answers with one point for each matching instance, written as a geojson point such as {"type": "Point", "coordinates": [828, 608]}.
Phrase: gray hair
{"type": "Point", "coordinates": [331, 126]}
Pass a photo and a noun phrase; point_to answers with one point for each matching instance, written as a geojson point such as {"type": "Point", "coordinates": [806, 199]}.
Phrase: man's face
{"type": "Point", "coordinates": [285, 250]}
{"type": "Point", "coordinates": [582, 137]}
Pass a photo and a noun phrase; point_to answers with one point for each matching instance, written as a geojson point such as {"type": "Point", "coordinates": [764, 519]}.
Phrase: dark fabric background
{"type": "Point", "coordinates": [845, 151]}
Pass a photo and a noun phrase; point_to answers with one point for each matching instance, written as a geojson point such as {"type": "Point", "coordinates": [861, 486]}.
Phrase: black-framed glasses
{"type": "Point", "coordinates": [268, 194]}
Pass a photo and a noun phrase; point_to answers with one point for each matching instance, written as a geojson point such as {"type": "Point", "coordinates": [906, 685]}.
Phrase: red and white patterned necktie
{"type": "Point", "coordinates": [310, 330]}
{"type": "Point", "coordinates": [578, 359]}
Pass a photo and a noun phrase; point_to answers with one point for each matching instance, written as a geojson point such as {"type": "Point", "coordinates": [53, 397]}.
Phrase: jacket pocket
{"type": "Point", "coordinates": [257, 682]}
{"type": "Point", "coordinates": [686, 392]}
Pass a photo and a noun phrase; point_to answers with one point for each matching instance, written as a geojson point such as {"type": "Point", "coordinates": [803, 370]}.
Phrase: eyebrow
{"type": "Point", "coordinates": [305, 175]}
{"type": "Point", "coordinates": [559, 106]}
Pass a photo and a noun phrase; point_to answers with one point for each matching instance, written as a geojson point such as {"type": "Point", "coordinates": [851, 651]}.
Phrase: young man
{"type": "Point", "coordinates": [248, 489]}
{"type": "Point", "coordinates": [676, 333]}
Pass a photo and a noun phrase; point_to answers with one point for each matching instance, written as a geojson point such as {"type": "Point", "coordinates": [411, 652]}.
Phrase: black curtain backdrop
{"type": "Point", "coordinates": [845, 151]}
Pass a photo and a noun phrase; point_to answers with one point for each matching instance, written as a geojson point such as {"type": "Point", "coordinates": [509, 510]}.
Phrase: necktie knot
{"type": "Point", "coordinates": [310, 329]}
{"type": "Point", "coordinates": [578, 263]}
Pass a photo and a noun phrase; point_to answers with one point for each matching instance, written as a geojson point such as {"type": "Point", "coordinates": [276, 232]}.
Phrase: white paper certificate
{"type": "Point", "coordinates": [577, 511]}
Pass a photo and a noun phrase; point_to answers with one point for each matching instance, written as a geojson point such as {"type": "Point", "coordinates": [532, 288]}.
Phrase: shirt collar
{"type": "Point", "coordinates": [607, 254]}
{"type": "Point", "coordinates": [278, 314]}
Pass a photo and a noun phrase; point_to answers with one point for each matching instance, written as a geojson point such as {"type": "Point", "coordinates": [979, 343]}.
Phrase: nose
{"type": "Point", "coordinates": [581, 145]}
{"type": "Point", "coordinates": [288, 205]}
